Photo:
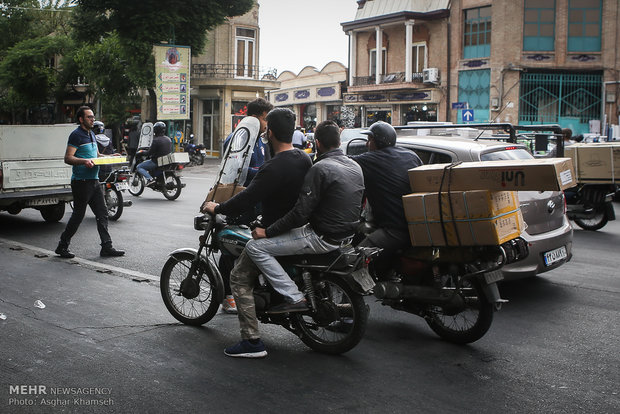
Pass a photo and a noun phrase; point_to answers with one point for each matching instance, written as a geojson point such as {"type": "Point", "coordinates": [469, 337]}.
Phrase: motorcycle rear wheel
{"type": "Point", "coordinates": [598, 221]}
{"type": "Point", "coordinates": [466, 326]}
{"type": "Point", "coordinates": [196, 310]}
{"type": "Point", "coordinates": [114, 203]}
{"type": "Point", "coordinates": [340, 323]}
{"type": "Point", "coordinates": [136, 188]}
{"type": "Point", "coordinates": [172, 187]}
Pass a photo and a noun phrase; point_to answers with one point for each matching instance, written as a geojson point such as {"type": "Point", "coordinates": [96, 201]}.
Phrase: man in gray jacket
{"type": "Point", "coordinates": [326, 214]}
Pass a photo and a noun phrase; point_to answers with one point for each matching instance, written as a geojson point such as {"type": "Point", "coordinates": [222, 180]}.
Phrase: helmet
{"type": "Point", "coordinates": [382, 133]}
{"type": "Point", "coordinates": [159, 128]}
{"type": "Point", "coordinates": [98, 127]}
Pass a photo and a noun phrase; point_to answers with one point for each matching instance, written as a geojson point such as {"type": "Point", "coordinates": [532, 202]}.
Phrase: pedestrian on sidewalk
{"type": "Point", "coordinates": [81, 149]}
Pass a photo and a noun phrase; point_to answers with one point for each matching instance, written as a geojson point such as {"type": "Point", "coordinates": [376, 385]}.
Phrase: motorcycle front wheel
{"type": "Point", "coordinates": [136, 184]}
{"type": "Point", "coordinates": [172, 187]}
{"type": "Point", "coordinates": [114, 203]}
{"type": "Point", "coordinates": [466, 325]}
{"type": "Point", "coordinates": [597, 221]}
{"type": "Point", "coordinates": [339, 322]}
{"type": "Point", "coordinates": [191, 300]}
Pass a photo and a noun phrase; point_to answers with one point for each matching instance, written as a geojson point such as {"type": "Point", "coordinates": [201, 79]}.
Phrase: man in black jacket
{"type": "Point", "coordinates": [386, 178]}
{"type": "Point", "coordinates": [161, 145]}
{"type": "Point", "coordinates": [276, 186]}
{"type": "Point", "coordinates": [326, 214]}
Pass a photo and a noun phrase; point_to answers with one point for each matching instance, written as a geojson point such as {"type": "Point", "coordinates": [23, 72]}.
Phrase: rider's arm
{"type": "Point", "coordinates": [309, 198]}
{"type": "Point", "coordinates": [259, 189]}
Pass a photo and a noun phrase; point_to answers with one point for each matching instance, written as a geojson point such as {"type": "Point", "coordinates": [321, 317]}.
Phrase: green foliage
{"type": "Point", "coordinates": [28, 68]}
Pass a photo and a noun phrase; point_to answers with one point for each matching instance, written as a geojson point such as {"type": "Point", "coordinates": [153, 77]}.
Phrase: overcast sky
{"type": "Point", "coordinates": [299, 33]}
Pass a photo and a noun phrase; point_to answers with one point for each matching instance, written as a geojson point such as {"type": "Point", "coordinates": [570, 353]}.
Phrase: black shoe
{"type": "Point", "coordinates": [64, 252]}
{"type": "Point", "coordinates": [151, 182]}
{"type": "Point", "coordinates": [285, 307]}
{"type": "Point", "coordinates": [110, 252]}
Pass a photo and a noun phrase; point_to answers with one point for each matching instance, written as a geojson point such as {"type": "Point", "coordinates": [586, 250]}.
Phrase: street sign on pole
{"type": "Point", "coordinates": [459, 105]}
{"type": "Point", "coordinates": [467, 115]}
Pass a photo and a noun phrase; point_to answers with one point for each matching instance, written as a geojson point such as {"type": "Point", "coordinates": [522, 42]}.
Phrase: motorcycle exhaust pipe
{"type": "Point", "coordinates": [422, 294]}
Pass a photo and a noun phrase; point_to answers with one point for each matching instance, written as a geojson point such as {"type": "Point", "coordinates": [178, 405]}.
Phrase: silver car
{"type": "Point", "coordinates": [549, 233]}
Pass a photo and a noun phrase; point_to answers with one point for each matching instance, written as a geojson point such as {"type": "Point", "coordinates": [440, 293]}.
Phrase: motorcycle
{"type": "Point", "coordinates": [167, 179]}
{"type": "Point", "coordinates": [333, 283]}
{"type": "Point", "coordinates": [454, 289]}
{"type": "Point", "coordinates": [590, 206]}
{"type": "Point", "coordinates": [197, 152]}
{"type": "Point", "coordinates": [114, 183]}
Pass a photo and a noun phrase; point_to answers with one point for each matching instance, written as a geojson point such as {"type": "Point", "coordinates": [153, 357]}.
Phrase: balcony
{"type": "Point", "coordinates": [397, 77]}
{"type": "Point", "coordinates": [232, 71]}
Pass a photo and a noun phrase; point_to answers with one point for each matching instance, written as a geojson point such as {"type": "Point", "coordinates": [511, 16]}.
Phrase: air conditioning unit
{"type": "Point", "coordinates": [430, 75]}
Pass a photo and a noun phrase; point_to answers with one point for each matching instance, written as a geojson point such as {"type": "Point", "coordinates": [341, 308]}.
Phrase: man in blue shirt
{"type": "Point", "coordinates": [81, 149]}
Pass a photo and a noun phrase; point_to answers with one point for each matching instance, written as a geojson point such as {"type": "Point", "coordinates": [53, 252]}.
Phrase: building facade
{"type": "Point", "coordinates": [313, 95]}
{"type": "Point", "coordinates": [224, 78]}
{"type": "Point", "coordinates": [518, 61]}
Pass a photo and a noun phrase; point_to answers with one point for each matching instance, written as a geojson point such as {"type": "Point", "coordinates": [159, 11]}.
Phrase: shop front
{"type": "Point", "coordinates": [396, 108]}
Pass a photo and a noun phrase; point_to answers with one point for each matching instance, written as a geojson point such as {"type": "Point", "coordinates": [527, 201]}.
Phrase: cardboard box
{"type": "Point", "coordinates": [223, 192]}
{"type": "Point", "coordinates": [467, 218]}
{"type": "Point", "coordinates": [595, 163]}
{"type": "Point", "coordinates": [175, 157]}
{"type": "Point", "coordinates": [550, 174]}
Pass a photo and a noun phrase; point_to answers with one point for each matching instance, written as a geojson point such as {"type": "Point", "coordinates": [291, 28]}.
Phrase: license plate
{"type": "Point", "coordinates": [123, 185]}
{"type": "Point", "coordinates": [493, 277]}
{"type": "Point", "coordinates": [363, 278]}
{"type": "Point", "coordinates": [42, 202]}
{"type": "Point", "coordinates": [555, 255]}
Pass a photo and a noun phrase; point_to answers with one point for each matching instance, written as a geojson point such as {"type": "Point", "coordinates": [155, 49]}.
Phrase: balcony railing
{"type": "Point", "coordinates": [228, 71]}
{"type": "Point", "coordinates": [397, 77]}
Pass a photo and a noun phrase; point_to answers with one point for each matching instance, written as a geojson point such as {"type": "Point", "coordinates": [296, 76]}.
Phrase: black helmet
{"type": "Point", "coordinates": [159, 128]}
{"type": "Point", "coordinates": [98, 127]}
{"type": "Point", "coordinates": [382, 133]}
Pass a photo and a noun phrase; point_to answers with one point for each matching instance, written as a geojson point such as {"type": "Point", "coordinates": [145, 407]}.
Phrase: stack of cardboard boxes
{"type": "Point", "coordinates": [476, 203]}
{"type": "Point", "coordinates": [595, 163]}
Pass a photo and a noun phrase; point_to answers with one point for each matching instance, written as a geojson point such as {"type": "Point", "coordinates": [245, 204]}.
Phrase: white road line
{"type": "Point", "coordinates": [90, 263]}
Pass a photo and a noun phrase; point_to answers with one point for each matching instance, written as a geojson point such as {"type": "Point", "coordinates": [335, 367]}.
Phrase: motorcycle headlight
{"type": "Point", "coordinates": [201, 222]}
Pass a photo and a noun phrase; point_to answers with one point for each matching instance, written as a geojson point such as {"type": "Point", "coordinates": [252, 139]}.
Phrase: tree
{"type": "Point", "coordinates": [140, 25]}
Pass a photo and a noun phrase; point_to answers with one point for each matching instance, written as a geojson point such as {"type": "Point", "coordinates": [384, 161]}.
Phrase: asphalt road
{"type": "Point", "coordinates": [553, 348]}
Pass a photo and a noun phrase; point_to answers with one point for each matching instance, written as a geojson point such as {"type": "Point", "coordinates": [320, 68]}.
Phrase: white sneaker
{"type": "Point", "coordinates": [229, 305]}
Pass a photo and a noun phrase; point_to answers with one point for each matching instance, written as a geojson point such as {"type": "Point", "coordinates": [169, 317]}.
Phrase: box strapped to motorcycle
{"type": "Point", "coordinates": [234, 167]}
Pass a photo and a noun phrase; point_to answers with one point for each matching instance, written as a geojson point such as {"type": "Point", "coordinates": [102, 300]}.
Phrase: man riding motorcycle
{"type": "Point", "coordinates": [386, 179]}
{"type": "Point", "coordinates": [326, 214]}
{"type": "Point", "coordinates": [161, 145]}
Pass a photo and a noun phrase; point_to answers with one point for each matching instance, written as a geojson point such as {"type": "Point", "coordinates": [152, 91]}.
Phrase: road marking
{"type": "Point", "coordinates": [89, 263]}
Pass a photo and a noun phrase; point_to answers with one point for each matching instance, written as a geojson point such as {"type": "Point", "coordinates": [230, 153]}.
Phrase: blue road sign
{"type": "Point", "coordinates": [459, 105]}
{"type": "Point", "coordinates": [467, 115]}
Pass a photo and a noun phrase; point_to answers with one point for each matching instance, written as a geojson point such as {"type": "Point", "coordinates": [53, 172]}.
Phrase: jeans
{"type": "Point", "coordinates": [301, 240]}
{"type": "Point", "coordinates": [87, 193]}
{"type": "Point", "coordinates": [145, 167]}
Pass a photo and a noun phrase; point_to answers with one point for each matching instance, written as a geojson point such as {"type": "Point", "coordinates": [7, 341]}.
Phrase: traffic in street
{"type": "Point", "coordinates": [104, 328]}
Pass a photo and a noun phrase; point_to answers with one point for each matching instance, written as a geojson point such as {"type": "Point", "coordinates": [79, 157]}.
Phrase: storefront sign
{"type": "Point", "coordinates": [282, 97]}
{"type": "Point", "coordinates": [329, 91]}
{"type": "Point", "coordinates": [302, 94]}
{"type": "Point", "coordinates": [172, 75]}
{"type": "Point", "coordinates": [414, 96]}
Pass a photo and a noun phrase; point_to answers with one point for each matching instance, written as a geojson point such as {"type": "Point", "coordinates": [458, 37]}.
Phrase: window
{"type": "Point", "coordinates": [584, 25]}
{"type": "Point", "coordinates": [539, 25]}
{"type": "Point", "coordinates": [418, 57]}
{"type": "Point", "coordinates": [474, 88]}
{"type": "Point", "coordinates": [477, 33]}
{"type": "Point", "coordinates": [373, 62]}
{"type": "Point", "coordinates": [245, 52]}
{"type": "Point", "coordinates": [432, 157]}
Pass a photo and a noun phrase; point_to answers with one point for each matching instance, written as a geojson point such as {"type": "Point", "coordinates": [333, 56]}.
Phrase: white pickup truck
{"type": "Point", "coordinates": [33, 173]}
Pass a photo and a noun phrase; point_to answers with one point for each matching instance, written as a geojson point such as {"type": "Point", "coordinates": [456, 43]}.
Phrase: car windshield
{"type": "Point", "coordinates": [506, 154]}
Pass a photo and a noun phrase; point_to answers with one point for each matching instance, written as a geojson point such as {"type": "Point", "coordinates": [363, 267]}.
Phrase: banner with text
{"type": "Point", "coordinates": [172, 71]}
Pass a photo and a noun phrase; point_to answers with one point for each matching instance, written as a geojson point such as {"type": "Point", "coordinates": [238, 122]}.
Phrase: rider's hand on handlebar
{"type": "Point", "coordinates": [259, 233]}
{"type": "Point", "coordinates": [208, 207]}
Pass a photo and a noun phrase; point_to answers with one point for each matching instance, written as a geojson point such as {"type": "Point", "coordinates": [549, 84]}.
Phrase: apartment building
{"type": "Point", "coordinates": [225, 77]}
{"type": "Point", "coordinates": [520, 61]}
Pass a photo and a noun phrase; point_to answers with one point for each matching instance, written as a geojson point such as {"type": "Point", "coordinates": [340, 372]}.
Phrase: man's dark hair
{"type": "Point", "coordinates": [259, 106]}
{"type": "Point", "coordinates": [567, 133]}
{"type": "Point", "coordinates": [80, 112]}
{"type": "Point", "coordinates": [328, 133]}
{"type": "Point", "coordinates": [281, 121]}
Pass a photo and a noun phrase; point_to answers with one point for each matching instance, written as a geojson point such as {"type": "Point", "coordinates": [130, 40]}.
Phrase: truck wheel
{"type": "Point", "coordinates": [53, 213]}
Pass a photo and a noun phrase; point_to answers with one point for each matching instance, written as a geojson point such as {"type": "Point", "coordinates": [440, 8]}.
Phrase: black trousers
{"type": "Point", "coordinates": [87, 193]}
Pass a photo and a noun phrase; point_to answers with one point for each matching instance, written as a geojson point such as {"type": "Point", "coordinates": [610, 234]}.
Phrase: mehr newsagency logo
{"type": "Point", "coordinates": [42, 395]}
